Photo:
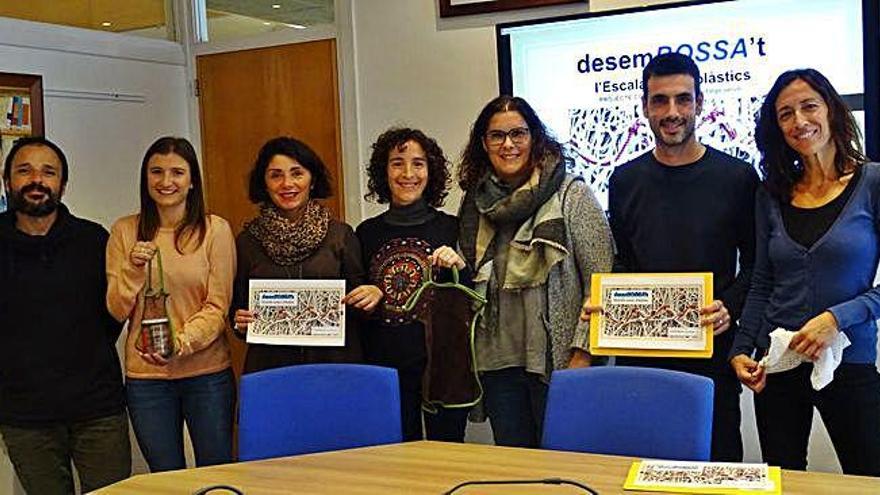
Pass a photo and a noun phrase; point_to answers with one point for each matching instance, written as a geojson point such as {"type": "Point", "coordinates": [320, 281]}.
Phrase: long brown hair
{"type": "Point", "coordinates": [194, 223]}
{"type": "Point", "coordinates": [780, 164]}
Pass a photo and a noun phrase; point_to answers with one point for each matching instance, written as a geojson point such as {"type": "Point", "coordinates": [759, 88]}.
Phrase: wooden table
{"type": "Point", "coordinates": [433, 468]}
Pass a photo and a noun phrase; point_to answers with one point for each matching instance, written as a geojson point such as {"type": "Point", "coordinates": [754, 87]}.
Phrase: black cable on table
{"type": "Point", "coordinates": [209, 489]}
{"type": "Point", "coordinates": [544, 481]}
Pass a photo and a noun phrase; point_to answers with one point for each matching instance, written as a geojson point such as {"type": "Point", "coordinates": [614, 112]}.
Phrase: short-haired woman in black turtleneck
{"type": "Point", "coordinates": [409, 171]}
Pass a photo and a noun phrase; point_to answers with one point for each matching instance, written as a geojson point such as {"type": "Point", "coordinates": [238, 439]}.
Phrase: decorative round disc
{"type": "Point", "coordinates": [399, 268]}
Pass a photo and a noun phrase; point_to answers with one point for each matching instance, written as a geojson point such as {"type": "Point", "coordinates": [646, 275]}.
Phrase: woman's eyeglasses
{"type": "Point", "coordinates": [518, 135]}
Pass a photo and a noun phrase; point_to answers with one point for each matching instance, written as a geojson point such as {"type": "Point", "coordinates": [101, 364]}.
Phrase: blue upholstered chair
{"type": "Point", "coordinates": [315, 408]}
{"type": "Point", "coordinates": [639, 412]}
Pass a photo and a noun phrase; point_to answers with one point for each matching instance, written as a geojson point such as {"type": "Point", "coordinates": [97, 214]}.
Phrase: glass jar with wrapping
{"type": "Point", "coordinates": [157, 332]}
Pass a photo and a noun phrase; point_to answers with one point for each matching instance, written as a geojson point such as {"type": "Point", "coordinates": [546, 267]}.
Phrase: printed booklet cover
{"type": "Point", "coordinates": [651, 314]}
{"type": "Point", "coordinates": [703, 477]}
{"type": "Point", "coordinates": [297, 312]}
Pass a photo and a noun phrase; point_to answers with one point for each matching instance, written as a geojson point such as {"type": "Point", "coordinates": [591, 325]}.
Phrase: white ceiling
{"type": "Point", "coordinates": [302, 12]}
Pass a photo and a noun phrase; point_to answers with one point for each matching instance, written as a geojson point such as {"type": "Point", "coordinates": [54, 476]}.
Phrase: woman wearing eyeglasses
{"type": "Point", "coordinates": [534, 235]}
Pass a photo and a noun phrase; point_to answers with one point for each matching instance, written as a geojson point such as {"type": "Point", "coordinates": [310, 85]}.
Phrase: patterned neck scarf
{"type": "Point", "coordinates": [286, 241]}
{"type": "Point", "coordinates": [505, 212]}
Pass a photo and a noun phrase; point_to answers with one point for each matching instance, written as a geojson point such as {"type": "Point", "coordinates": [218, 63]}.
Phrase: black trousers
{"type": "Point", "coordinates": [445, 425]}
{"type": "Point", "coordinates": [850, 409]}
{"type": "Point", "coordinates": [41, 455]}
{"type": "Point", "coordinates": [403, 348]}
{"type": "Point", "coordinates": [727, 443]}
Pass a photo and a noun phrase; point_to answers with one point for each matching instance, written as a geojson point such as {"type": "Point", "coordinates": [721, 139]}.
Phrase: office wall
{"type": "Point", "coordinates": [438, 79]}
{"type": "Point", "coordinates": [103, 137]}
{"type": "Point", "coordinates": [600, 5]}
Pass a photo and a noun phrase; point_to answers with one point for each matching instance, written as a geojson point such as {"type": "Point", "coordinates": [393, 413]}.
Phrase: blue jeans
{"type": "Point", "coordinates": [515, 400]}
{"type": "Point", "coordinates": [158, 409]}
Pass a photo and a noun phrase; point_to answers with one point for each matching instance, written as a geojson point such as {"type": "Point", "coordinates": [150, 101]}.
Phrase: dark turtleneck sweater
{"type": "Point", "coordinates": [395, 247]}
{"type": "Point", "coordinates": [58, 360]}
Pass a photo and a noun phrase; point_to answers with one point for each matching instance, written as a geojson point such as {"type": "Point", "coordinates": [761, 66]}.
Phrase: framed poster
{"type": "Point", "coordinates": [451, 8]}
{"type": "Point", "coordinates": [651, 314]}
{"type": "Point", "coordinates": [297, 312]}
{"type": "Point", "coordinates": [21, 109]}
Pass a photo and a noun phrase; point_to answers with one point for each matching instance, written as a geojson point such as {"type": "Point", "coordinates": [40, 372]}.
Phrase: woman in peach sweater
{"type": "Point", "coordinates": [194, 383]}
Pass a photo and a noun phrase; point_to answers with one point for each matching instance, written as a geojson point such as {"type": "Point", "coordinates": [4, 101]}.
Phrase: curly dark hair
{"type": "Point", "coordinates": [295, 150]}
{"type": "Point", "coordinates": [780, 164]}
{"type": "Point", "coordinates": [475, 160]}
{"type": "Point", "coordinates": [395, 138]}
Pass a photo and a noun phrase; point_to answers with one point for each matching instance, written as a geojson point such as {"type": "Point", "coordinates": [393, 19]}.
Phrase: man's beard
{"type": "Point", "coordinates": [678, 140]}
{"type": "Point", "coordinates": [18, 201]}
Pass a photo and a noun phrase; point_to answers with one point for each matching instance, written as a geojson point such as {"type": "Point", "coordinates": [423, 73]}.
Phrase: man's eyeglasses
{"type": "Point", "coordinates": [518, 135]}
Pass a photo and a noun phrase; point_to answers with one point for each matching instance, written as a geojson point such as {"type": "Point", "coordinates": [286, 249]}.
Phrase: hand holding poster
{"type": "Point", "coordinates": [651, 314]}
{"type": "Point", "coordinates": [297, 312]}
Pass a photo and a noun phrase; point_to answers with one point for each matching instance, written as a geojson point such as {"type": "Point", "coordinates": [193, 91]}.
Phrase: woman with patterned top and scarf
{"type": "Point", "coordinates": [428, 345]}
{"type": "Point", "coordinates": [294, 237]}
{"type": "Point", "coordinates": [534, 235]}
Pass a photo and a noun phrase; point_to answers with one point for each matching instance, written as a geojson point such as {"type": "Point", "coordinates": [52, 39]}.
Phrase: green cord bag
{"type": "Point", "coordinates": [460, 387]}
{"type": "Point", "coordinates": [157, 333]}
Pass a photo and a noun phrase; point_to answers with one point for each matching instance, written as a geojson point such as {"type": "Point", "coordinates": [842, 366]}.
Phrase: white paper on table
{"type": "Point", "coordinates": [702, 475]}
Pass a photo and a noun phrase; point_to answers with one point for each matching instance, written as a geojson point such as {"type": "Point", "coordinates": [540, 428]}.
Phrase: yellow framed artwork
{"type": "Point", "coordinates": [650, 314]}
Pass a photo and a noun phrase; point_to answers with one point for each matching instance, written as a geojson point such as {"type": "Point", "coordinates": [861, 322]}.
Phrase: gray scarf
{"type": "Point", "coordinates": [505, 211]}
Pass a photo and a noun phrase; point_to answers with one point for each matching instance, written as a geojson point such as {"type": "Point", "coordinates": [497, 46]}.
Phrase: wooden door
{"type": "Point", "coordinates": [250, 96]}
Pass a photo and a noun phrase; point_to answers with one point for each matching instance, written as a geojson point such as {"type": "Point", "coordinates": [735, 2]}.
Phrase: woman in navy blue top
{"type": "Point", "coordinates": [817, 223]}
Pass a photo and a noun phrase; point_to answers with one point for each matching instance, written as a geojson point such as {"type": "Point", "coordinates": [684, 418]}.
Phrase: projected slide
{"type": "Point", "coordinates": [583, 76]}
